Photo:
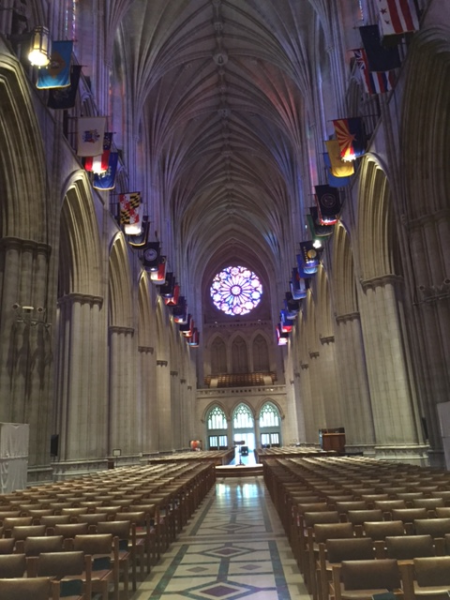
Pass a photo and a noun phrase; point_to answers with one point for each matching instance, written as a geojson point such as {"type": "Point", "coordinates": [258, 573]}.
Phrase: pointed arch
{"type": "Point", "coordinates": [239, 355]}
{"type": "Point", "coordinates": [260, 352]}
{"type": "Point", "coordinates": [343, 273]}
{"type": "Point", "coordinates": [121, 306]}
{"type": "Point", "coordinates": [218, 355]}
{"type": "Point", "coordinates": [324, 321]}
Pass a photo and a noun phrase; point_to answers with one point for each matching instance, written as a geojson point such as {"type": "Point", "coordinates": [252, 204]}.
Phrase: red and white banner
{"type": "Point", "coordinates": [397, 17]}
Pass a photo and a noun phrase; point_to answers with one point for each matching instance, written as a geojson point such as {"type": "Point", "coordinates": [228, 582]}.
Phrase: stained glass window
{"type": "Point", "coordinates": [236, 291]}
{"type": "Point", "coordinates": [217, 419]}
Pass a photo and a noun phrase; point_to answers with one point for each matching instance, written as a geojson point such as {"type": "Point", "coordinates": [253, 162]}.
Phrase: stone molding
{"type": "Point", "coordinates": [146, 349]}
{"type": "Point", "coordinates": [375, 282]}
{"type": "Point", "coordinates": [314, 354]}
{"type": "Point", "coordinates": [329, 339]}
{"type": "Point", "coordinates": [433, 293]}
{"type": "Point", "coordinates": [162, 363]}
{"type": "Point", "coordinates": [21, 244]}
{"type": "Point", "coordinates": [348, 317]}
{"type": "Point", "coordinates": [182, 380]}
{"type": "Point", "coordinates": [174, 373]}
{"type": "Point", "coordinates": [121, 330]}
{"type": "Point", "coordinates": [81, 299]}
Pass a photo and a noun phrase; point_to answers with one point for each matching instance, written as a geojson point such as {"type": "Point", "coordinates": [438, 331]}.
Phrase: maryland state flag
{"type": "Point", "coordinates": [150, 256]}
{"type": "Point", "coordinates": [159, 277]}
{"type": "Point", "coordinates": [172, 300]}
{"type": "Point", "coordinates": [340, 169]}
{"type": "Point", "coordinates": [131, 212]}
{"type": "Point", "coordinates": [107, 180]}
{"type": "Point", "coordinates": [310, 257]}
{"type": "Point", "coordinates": [91, 133]}
{"type": "Point", "coordinates": [351, 138]}
{"type": "Point", "coordinates": [328, 204]}
{"type": "Point", "coordinates": [57, 73]}
{"type": "Point", "coordinates": [64, 98]}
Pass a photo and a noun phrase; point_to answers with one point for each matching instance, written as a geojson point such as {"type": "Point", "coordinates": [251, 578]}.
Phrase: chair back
{"type": "Point", "coordinates": [431, 572]}
{"type": "Point", "coordinates": [70, 530]}
{"type": "Point", "coordinates": [358, 517]}
{"type": "Point", "coordinates": [7, 545]}
{"type": "Point", "coordinates": [22, 532]}
{"type": "Point", "coordinates": [46, 543]}
{"type": "Point", "coordinates": [350, 549]}
{"type": "Point", "coordinates": [35, 588]}
{"type": "Point", "coordinates": [437, 528]}
{"type": "Point", "coordinates": [407, 547]}
{"type": "Point", "coordinates": [328, 531]}
{"type": "Point", "coordinates": [312, 518]}
{"type": "Point", "coordinates": [408, 515]}
{"type": "Point", "coordinates": [370, 574]}
{"type": "Point", "coordinates": [378, 530]}
{"type": "Point", "coordinates": [12, 565]}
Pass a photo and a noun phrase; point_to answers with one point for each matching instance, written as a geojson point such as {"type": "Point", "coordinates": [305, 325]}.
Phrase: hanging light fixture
{"type": "Point", "coordinates": [39, 49]}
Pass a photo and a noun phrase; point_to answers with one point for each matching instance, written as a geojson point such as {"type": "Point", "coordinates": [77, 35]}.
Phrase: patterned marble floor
{"type": "Point", "coordinates": [234, 547]}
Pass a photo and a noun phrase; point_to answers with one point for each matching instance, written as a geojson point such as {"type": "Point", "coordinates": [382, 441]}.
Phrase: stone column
{"type": "Point", "coordinates": [357, 411]}
{"type": "Point", "coordinates": [163, 405]}
{"type": "Point", "coordinates": [318, 409]}
{"type": "Point", "coordinates": [330, 383]}
{"type": "Point", "coordinates": [176, 420]}
{"type": "Point", "coordinates": [147, 377]}
{"type": "Point", "coordinates": [397, 432]}
{"type": "Point", "coordinates": [26, 344]}
{"type": "Point", "coordinates": [123, 426]}
{"type": "Point", "coordinates": [307, 406]}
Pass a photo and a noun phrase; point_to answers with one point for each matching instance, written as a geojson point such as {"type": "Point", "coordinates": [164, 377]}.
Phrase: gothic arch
{"type": "Point", "coordinates": [146, 318]}
{"type": "Point", "coordinates": [343, 273]}
{"type": "Point", "coordinates": [80, 255]}
{"type": "Point", "coordinates": [323, 316]}
{"type": "Point", "coordinates": [260, 349]}
{"type": "Point", "coordinates": [23, 187]}
{"type": "Point", "coordinates": [121, 307]}
{"type": "Point", "coordinates": [218, 364]}
{"type": "Point", "coordinates": [265, 401]}
{"type": "Point", "coordinates": [212, 405]}
{"type": "Point", "coordinates": [238, 345]}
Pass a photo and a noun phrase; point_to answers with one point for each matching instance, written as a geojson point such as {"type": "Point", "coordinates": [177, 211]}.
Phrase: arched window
{"type": "Point", "coordinates": [239, 354]}
{"type": "Point", "coordinates": [217, 429]}
{"type": "Point", "coordinates": [218, 357]}
{"type": "Point", "coordinates": [269, 425]}
{"type": "Point", "coordinates": [244, 428]}
{"type": "Point", "coordinates": [217, 419]}
{"type": "Point", "coordinates": [260, 355]}
{"type": "Point", "coordinates": [242, 417]}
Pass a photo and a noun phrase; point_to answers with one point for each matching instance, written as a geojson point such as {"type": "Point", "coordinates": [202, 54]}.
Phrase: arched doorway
{"type": "Point", "coordinates": [244, 426]}
{"type": "Point", "coordinates": [269, 426]}
{"type": "Point", "coordinates": [216, 433]}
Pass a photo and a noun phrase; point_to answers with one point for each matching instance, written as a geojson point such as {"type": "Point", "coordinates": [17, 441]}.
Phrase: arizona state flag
{"type": "Point", "coordinates": [64, 98]}
{"type": "Point", "coordinates": [57, 73]}
{"type": "Point", "coordinates": [91, 133]}
{"type": "Point", "coordinates": [338, 167]}
{"type": "Point", "coordinates": [328, 204]}
{"type": "Point", "coordinates": [351, 138]}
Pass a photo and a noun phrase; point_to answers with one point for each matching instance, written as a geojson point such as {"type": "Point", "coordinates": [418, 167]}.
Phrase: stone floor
{"type": "Point", "coordinates": [234, 547]}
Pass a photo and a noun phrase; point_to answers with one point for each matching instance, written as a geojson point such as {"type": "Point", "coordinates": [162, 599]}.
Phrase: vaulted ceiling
{"type": "Point", "coordinates": [224, 97]}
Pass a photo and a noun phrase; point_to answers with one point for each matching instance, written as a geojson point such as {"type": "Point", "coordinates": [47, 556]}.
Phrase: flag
{"type": "Point", "coordinates": [317, 230]}
{"type": "Point", "coordinates": [188, 327]}
{"type": "Point", "coordinates": [299, 285]}
{"type": "Point", "coordinates": [285, 322]}
{"type": "Point", "coordinates": [91, 132]}
{"type": "Point", "coordinates": [351, 138]}
{"type": "Point", "coordinates": [397, 17]}
{"type": "Point", "coordinates": [373, 82]}
{"type": "Point", "coordinates": [310, 257]}
{"type": "Point", "coordinates": [57, 73]}
{"type": "Point", "coordinates": [328, 204]}
{"type": "Point", "coordinates": [159, 277]}
{"type": "Point", "coordinates": [150, 256]}
{"type": "Point", "coordinates": [379, 57]}
{"type": "Point", "coordinates": [194, 340]}
{"type": "Point", "coordinates": [291, 306]}
{"type": "Point", "coordinates": [338, 168]}
{"type": "Point", "coordinates": [64, 98]}
{"type": "Point", "coordinates": [166, 289]}
{"type": "Point", "coordinates": [180, 310]}
{"type": "Point", "coordinates": [107, 180]}
{"type": "Point", "coordinates": [131, 212]}
{"type": "Point", "coordinates": [141, 240]}
{"type": "Point", "coordinates": [173, 299]}
{"type": "Point", "coordinates": [99, 163]}
{"type": "Point", "coordinates": [282, 338]}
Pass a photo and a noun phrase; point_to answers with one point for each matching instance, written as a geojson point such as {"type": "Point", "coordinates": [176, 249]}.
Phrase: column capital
{"type": "Point", "coordinates": [375, 282]}
{"type": "Point", "coordinates": [81, 299]}
{"type": "Point", "coordinates": [348, 317]}
{"type": "Point", "coordinates": [162, 363]}
{"type": "Point", "coordinates": [21, 244]}
{"type": "Point", "coordinates": [146, 349]}
{"type": "Point", "coordinates": [327, 339]}
{"type": "Point", "coordinates": [174, 373]}
{"type": "Point", "coordinates": [122, 330]}
{"type": "Point", "coordinates": [314, 354]}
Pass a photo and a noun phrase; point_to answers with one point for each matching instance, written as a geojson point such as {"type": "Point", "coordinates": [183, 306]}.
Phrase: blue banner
{"type": "Point", "coordinates": [107, 180]}
{"type": "Point", "coordinates": [57, 74]}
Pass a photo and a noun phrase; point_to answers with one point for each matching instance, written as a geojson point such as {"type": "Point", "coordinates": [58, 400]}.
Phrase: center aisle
{"type": "Point", "coordinates": [233, 548]}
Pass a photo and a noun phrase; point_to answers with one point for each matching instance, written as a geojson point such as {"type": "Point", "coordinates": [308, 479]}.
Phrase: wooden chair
{"type": "Point", "coordinates": [358, 517]}
{"type": "Point", "coordinates": [7, 545]}
{"type": "Point", "coordinates": [12, 565]}
{"type": "Point", "coordinates": [408, 515]}
{"type": "Point", "coordinates": [51, 520]}
{"type": "Point", "coordinates": [42, 588]}
{"type": "Point", "coordinates": [438, 528]}
{"type": "Point", "coordinates": [33, 546]}
{"type": "Point", "coordinates": [126, 534]}
{"type": "Point", "coordinates": [73, 570]}
{"type": "Point", "coordinates": [142, 528]}
{"type": "Point", "coordinates": [408, 547]}
{"type": "Point", "coordinates": [430, 578]}
{"type": "Point", "coordinates": [104, 550]}
{"type": "Point", "coordinates": [430, 504]}
{"type": "Point", "coordinates": [379, 530]}
{"type": "Point", "coordinates": [362, 579]}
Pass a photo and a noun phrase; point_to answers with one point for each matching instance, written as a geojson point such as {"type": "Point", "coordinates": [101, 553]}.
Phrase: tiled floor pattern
{"type": "Point", "coordinates": [234, 547]}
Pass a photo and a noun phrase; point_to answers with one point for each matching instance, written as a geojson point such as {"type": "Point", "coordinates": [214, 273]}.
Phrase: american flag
{"type": "Point", "coordinates": [397, 17]}
{"type": "Point", "coordinates": [374, 82]}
